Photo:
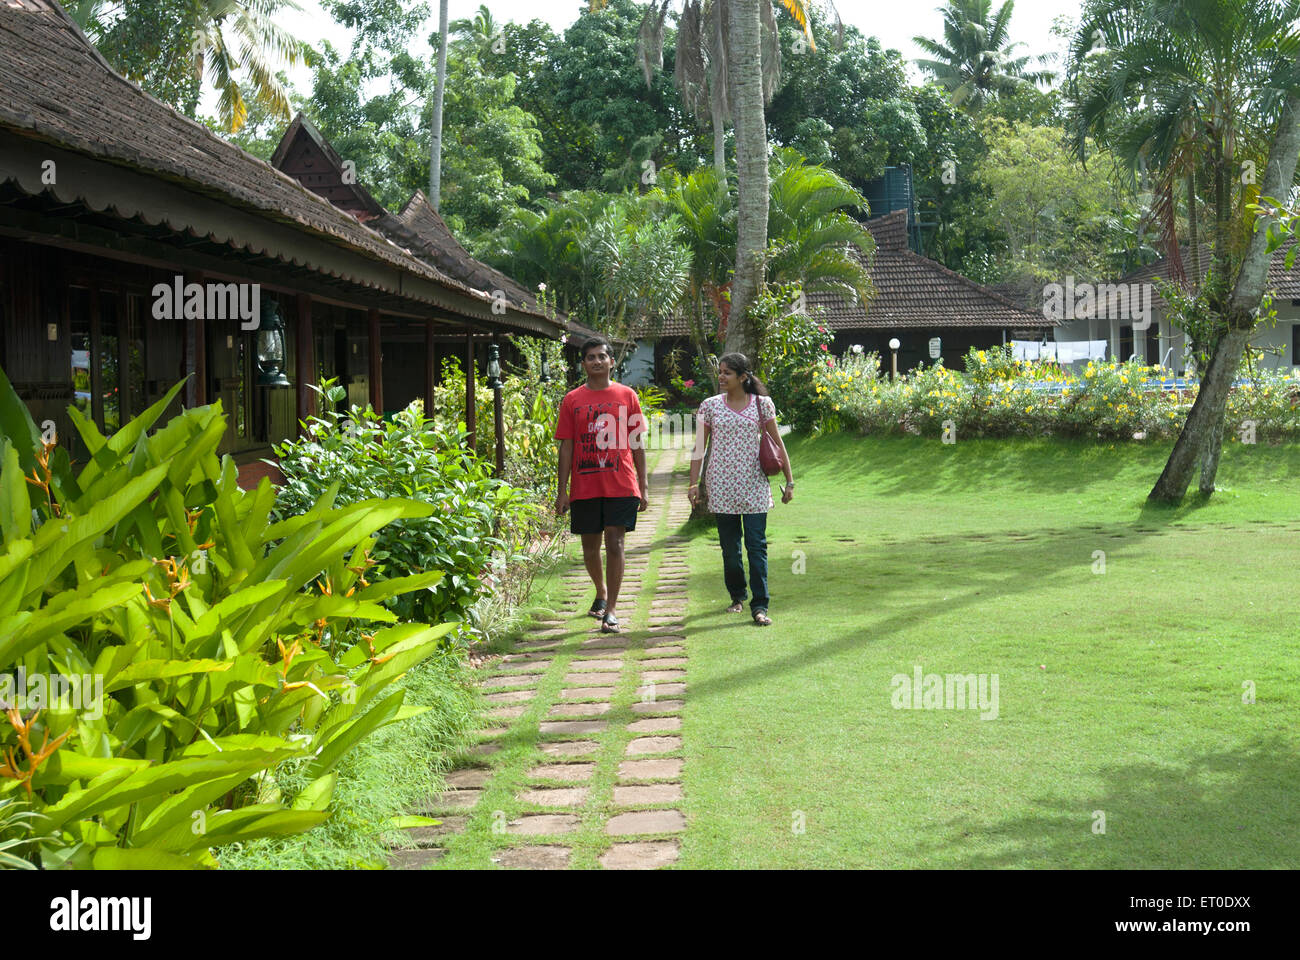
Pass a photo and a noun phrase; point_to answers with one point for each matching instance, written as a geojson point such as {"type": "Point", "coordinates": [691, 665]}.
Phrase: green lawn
{"type": "Point", "coordinates": [1119, 692]}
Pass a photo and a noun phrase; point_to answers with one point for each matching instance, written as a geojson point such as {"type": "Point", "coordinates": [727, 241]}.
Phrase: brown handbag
{"type": "Point", "coordinates": [769, 453]}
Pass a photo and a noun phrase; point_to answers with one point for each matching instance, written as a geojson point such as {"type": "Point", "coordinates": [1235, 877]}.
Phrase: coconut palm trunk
{"type": "Point", "coordinates": [1201, 439]}
{"type": "Point", "coordinates": [746, 70]}
{"type": "Point", "coordinates": [435, 147]}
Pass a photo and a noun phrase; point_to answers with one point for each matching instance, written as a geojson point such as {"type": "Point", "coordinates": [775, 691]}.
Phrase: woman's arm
{"type": "Point", "coordinates": [702, 431]}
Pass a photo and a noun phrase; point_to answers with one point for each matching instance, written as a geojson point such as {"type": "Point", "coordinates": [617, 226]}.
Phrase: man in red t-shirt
{"type": "Point", "coordinates": [602, 446]}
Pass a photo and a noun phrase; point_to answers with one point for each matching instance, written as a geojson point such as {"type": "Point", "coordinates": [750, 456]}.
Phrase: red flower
{"type": "Point", "coordinates": [824, 347]}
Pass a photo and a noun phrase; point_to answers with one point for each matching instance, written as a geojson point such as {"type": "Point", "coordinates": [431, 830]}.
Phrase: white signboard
{"type": "Point", "coordinates": [934, 348]}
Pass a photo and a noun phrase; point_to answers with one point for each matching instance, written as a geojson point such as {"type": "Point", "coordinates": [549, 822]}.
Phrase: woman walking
{"type": "Point", "coordinates": [732, 424]}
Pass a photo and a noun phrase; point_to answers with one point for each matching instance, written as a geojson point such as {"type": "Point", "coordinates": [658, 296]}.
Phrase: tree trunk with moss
{"type": "Point", "coordinates": [746, 70]}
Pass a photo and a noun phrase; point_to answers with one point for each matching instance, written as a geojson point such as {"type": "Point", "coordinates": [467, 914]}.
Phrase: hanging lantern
{"type": "Point", "coordinates": [270, 347]}
{"type": "Point", "coordinates": [545, 376]}
{"type": "Point", "coordinates": [494, 368]}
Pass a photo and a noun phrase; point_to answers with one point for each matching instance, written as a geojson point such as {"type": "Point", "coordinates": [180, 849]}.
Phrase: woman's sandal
{"type": "Point", "coordinates": [597, 608]}
{"type": "Point", "coordinates": [609, 624]}
{"type": "Point", "coordinates": [736, 607]}
{"type": "Point", "coordinates": [762, 619]}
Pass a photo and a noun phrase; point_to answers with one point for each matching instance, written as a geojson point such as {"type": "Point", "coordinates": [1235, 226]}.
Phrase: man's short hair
{"type": "Point", "coordinates": [592, 342]}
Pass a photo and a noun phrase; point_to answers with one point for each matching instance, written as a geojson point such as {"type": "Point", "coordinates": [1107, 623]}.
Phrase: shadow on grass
{"type": "Point", "coordinates": [983, 576]}
{"type": "Point", "coordinates": [1233, 809]}
{"type": "Point", "coordinates": [899, 466]}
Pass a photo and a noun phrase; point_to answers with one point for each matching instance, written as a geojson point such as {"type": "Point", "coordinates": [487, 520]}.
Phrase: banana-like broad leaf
{"type": "Point", "coordinates": [141, 858]}
{"type": "Point", "coordinates": [162, 670]}
{"type": "Point", "coordinates": [384, 589]}
{"type": "Point", "coordinates": [317, 794]}
{"type": "Point", "coordinates": [352, 734]}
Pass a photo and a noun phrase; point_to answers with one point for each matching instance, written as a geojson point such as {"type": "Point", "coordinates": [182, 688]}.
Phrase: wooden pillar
{"type": "Point", "coordinates": [498, 423]}
{"type": "Point", "coordinates": [96, 358]}
{"type": "Point", "coordinates": [376, 354]}
{"type": "Point", "coordinates": [199, 390]}
{"type": "Point", "coordinates": [471, 410]}
{"type": "Point", "coordinates": [305, 352]}
{"type": "Point", "coordinates": [124, 400]}
{"type": "Point", "coordinates": [430, 366]}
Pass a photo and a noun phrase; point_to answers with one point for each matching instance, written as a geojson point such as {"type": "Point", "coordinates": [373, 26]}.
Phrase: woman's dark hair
{"type": "Point", "coordinates": [739, 365]}
{"type": "Point", "coordinates": [592, 343]}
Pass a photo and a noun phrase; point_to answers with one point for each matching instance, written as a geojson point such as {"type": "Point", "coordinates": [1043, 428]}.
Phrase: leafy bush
{"type": "Point", "coordinates": [795, 347]}
{"type": "Point", "coordinates": [410, 457]}
{"type": "Point", "coordinates": [391, 772]}
{"type": "Point", "coordinates": [999, 396]}
{"type": "Point", "coordinates": [219, 642]}
{"type": "Point", "coordinates": [529, 409]}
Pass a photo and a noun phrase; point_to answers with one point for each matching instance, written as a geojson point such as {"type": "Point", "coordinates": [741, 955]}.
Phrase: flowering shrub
{"type": "Point", "coordinates": [999, 396]}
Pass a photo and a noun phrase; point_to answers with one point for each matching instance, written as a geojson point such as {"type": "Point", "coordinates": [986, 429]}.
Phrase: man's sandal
{"type": "Point", "coordinates": [609, 624]}
{"type": "Point", "coordinates": [736, 607]}
{"type": "Point", "coordinates": [762, 619]}
{"type": "Point", "coordinates": [597, 608]}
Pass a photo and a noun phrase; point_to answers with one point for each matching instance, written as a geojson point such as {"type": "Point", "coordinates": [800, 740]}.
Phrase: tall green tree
{"type": "Point", "coordinates": [168, 46]}
{"type": "Point", "coordinates": [747, 93]}
{"type": "Point", "coordinates": [976, 60]}
{"type": "Point", "coordinates": [1214, 86]}
{"type": "Point", "coordinates": [435, 124]}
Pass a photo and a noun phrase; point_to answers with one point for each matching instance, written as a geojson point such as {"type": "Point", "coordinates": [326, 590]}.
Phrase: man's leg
{"type": "Point", "coordinates": [733, 568]}
{"type": "Point", "coordinates": [591, 557]}
{"type": "Point", "coordinates": [756, 548]}
{"type": "Point", "coordinates": [614, 566]}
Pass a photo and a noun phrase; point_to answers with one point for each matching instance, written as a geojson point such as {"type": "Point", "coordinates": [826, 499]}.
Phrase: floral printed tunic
{"type": "Point", "coordinates": [735, 481]}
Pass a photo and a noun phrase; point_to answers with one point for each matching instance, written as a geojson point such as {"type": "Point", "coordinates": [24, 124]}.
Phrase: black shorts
{"type": "Point", "coordinates": [595, 514]}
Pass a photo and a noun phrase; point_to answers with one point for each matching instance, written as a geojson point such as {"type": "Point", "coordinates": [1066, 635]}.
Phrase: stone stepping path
{"type": "Point", "coordinates": [603, 783]}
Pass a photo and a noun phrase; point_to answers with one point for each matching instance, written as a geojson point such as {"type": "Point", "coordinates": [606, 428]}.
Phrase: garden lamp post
{"type": "Point", "coordinates": [893, 357]}
{"type": "Point", "coordinates": [494, 384]}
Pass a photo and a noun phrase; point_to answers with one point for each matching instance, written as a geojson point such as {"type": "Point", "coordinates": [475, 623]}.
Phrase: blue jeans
{"type": "Point", "coordinates": [733, 569]}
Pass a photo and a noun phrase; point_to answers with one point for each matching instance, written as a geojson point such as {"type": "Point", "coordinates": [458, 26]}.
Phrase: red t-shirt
{"type": "Point", "coordinates": [605, 426]}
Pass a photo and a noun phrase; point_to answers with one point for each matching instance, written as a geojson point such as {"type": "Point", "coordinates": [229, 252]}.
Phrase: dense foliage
{"type": "Point", "coordinates": [1002, 397]}
{"type": "Point", "coordinates": [364, 457]}
{"type": "Point", "coordinates": [204, 643]}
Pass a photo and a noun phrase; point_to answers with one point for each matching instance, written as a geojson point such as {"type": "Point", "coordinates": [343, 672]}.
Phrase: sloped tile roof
{"type": "Point", "coordinates": [420, 229]}
{"type": "Point", "coordinates": [1284, 283]}
{"type": "Point", "coordinates": [911, 291]}
{"type": "Point", "coordinates": [915, 291]}
{"type": "Point", "coordinates": [417, 228]}
{"type": "Point", "coordinates": [55, 87]}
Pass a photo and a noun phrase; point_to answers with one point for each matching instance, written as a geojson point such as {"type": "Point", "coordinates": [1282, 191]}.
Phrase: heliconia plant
{"type": "Point", "coordinates": [221, 643]}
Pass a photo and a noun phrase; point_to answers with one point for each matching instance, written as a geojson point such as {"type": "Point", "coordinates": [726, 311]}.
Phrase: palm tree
{"type": "Point", "coordinates": [975, 61]}
{"type": "Point", "coordinates": [435, 139]}
{"type": "Point", "coordinates": [643, 267]}
{"type": "Point", "coordinates": [551, 246]}
{"type": "Point", "coordinates": [480, 33]}
{"type": "Point", "coordinates": [227, 37]}
{"type": "Point", "coordinates": [1196, 88]}
{"type": "Point", "coordinates": [812, 235]}
{"type": "Point", "coordinates": [706, 210]}
{"type": "Point", "coordinates": [702, 51]}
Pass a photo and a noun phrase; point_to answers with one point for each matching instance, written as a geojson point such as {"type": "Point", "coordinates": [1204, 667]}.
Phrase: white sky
{"type": "Point", "coordinates": [894, 22]}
